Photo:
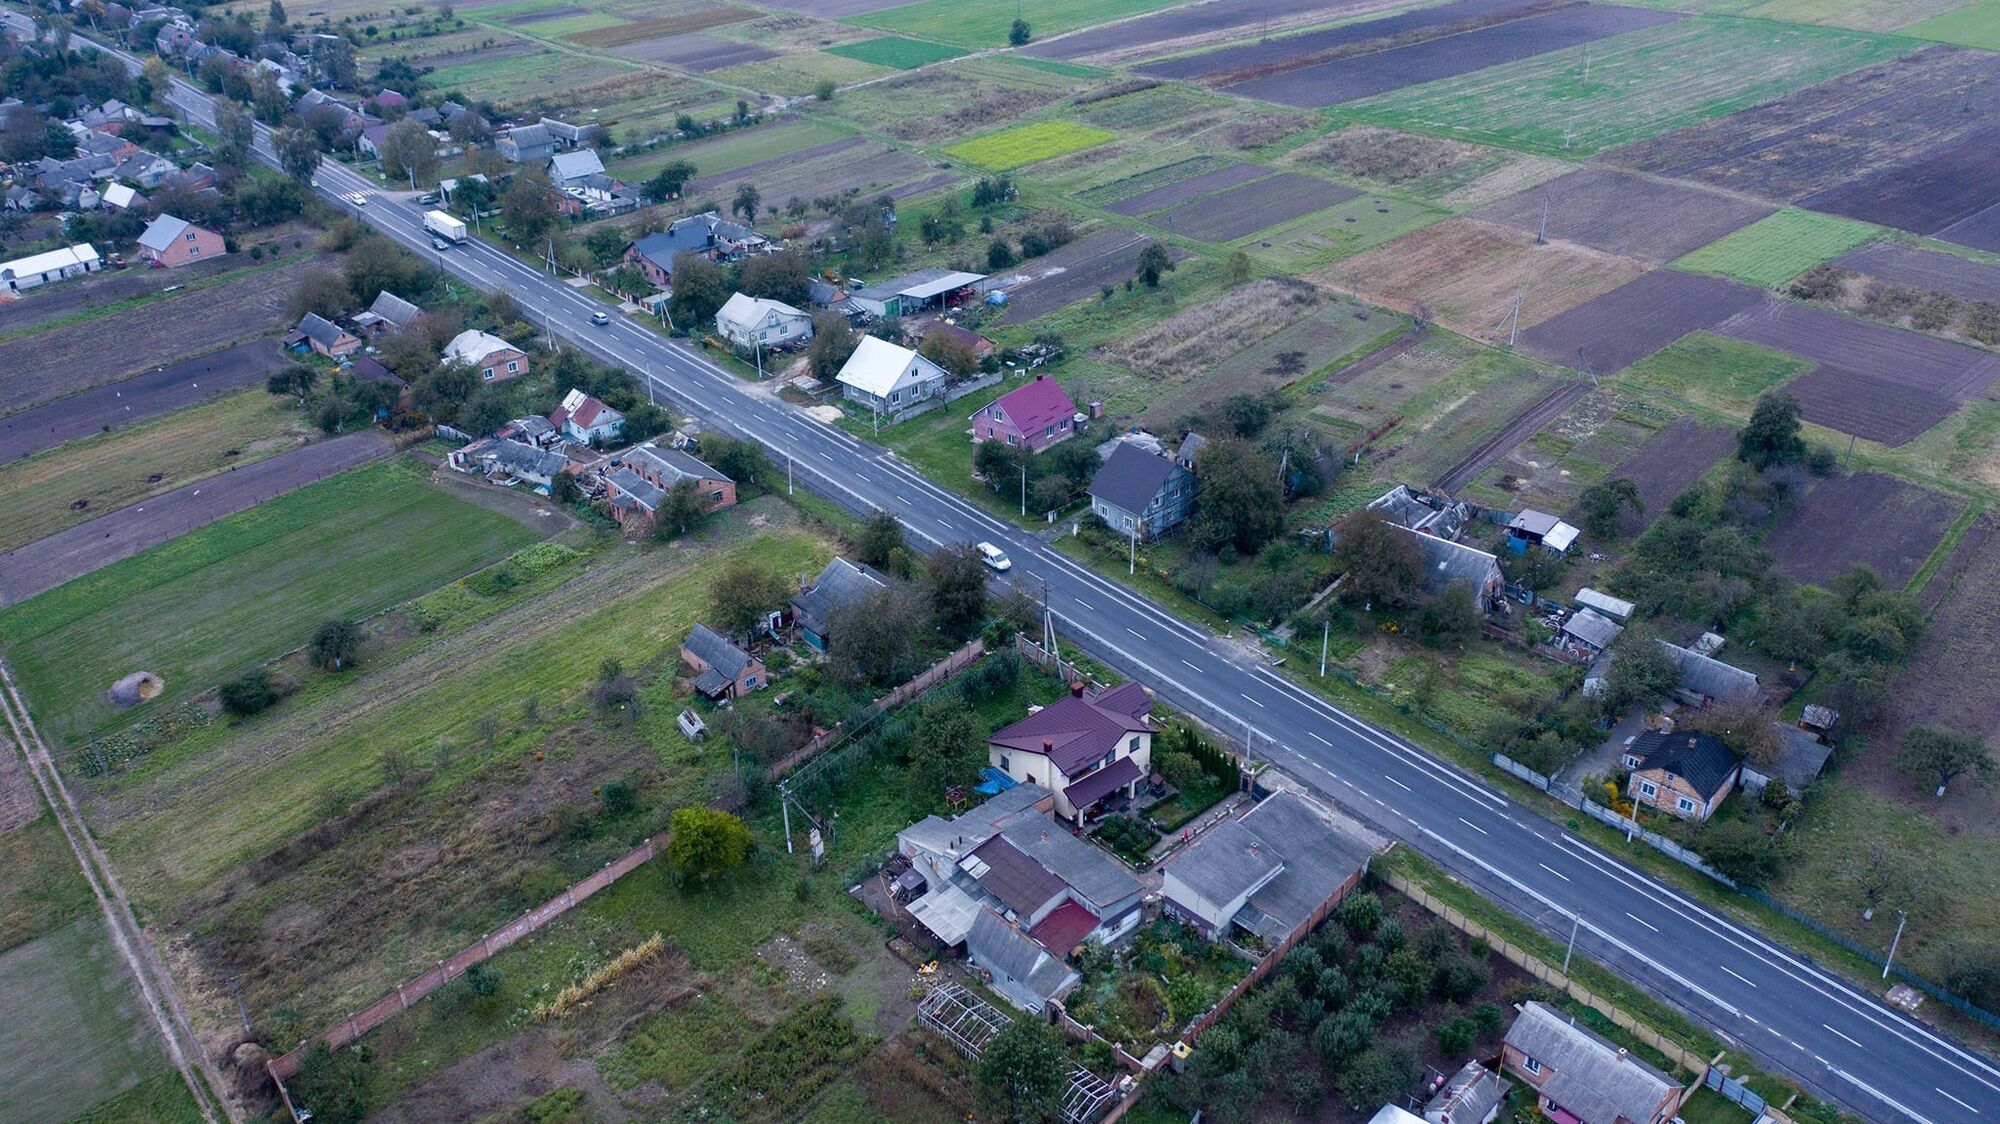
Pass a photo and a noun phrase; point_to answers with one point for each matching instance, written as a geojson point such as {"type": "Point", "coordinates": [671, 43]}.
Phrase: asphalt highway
{"type": "Point", "coordinates": [1842, 1043]}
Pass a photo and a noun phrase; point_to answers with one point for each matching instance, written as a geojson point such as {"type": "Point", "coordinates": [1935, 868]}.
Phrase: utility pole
{"type": "Point", "coordinates": [1132, 556]}
{"type": "Point", "coordinates": [1024, 488]}
{"type": "Point", "coordinates": [785, 805]}
{"type": "Point", "coordinates": [1325, 634]}
{"type": "Point", "coordinates": [1902, 915]}
{"type": "Point", "coordinates": [1542, 232]}
{"type": "Point", "coordinates": [788, 466]}
{"type": "Point", "coordinates": [1850, 453]}
{"type": "Point", "coordinates": [1575, 921]}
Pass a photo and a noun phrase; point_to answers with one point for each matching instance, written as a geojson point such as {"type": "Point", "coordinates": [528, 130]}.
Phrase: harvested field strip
{"type": "Point", "coordinates": [659, 28]}
{"type": "Point", "coordinates": [1271, 57]}
{"type": "Point", "coordinates": [701, 54]}
{"type": "Point", "coordinates": [1980, 232]}
{"type": "Point", "coordinates": [1639, 84]}
{"type": "Point", "coordinates": [1670, 463]}
{"type": "Point", "coordinates": [1975, 25]}
{"type": "Point", "coordinates": [1119, 190]}
{"type": "Point", "coordinates": [1347, 228]}
{"type": "Point", "coordinates": [1621, 213]}
{"type": "Point", "coordinates": [1518, 429]}
{"type": "Point", "coordinates": [1348, 80]}
{"type": "Point", "coordinates": [1172, 31]}
{"type": "Point", "coordinates": [1916, 362]}
{"type": "Point", "coordinates": [1829, 134]}
{"type": "Point", "coordinates": [740, 149]}
{"type": "Point", "coordinates": [1027, 144]}
{"type": "Point", "coordinates": [1945, 186]}
{"type": "Point", "coordinates": [1868, 406]}
{"type": "Point", "coordinates": [1893, 529]}
{"type": "Point", "coordinates": [987, 25]}
{"type": "Point", "coordinates": [1150, 108]}
{"type": "Point", "coordinates": [82, 480]}
{"type": "Point", "coordinates": [1925, 269]}
{"type": "Point", "coordinates": [828, 170]}
{"type": "Point", "coordinates": [244, 590]}
{"type": "Point", "coordinates": [1245, 210]}
{"type": "Point", "coordinates": [1776, 249]}
{"type": "Point", "coordinates": [1637, 319]}
{"type": "Point", "coordinates": [1175, 193]}
{"type": "Point", "coordinates": [140, 398]}
{"type": "Point", "coordinates": [1104, 257]}
{"type": "Point", "coordinates": [1189, 343]}
{"type": "Point", "coordinates": [74, 1035]}
{"type": "Point", "coordinates": [903, 54]}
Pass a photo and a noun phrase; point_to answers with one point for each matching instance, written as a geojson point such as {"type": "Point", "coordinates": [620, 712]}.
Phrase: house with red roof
{"type": "Point", "coordinates": [581, 417]}
{"type": "Point", "coordinates": [1036, 414]}
{"type": "Point", "coordinates": [1089, 746]}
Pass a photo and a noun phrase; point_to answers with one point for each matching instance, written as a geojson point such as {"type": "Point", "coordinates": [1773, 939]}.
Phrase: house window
{"type": "Point", "coordinates": [1531, 1065]}
{"type": "Point", "coordinates": [1004, 767]}
{"type": "Point", "coordinates": [1631, 762]}
{"type": "Point", "coordinates": [190, 236]}
{"type": "Point", "coordinates": [513, 366]}
{"type": "Point", "coordinates": [487, 373]}
{"type": "Point", "coordinates": [715, 497]}
{"type": "Point", "coordinates": [1685, 805]}
{"type": "Point", "coordinates": [194, 251]}
{"type": "Point", "coordinates": [1648, 789]}
{"type": "Point", "coordinates": [1134, 744]}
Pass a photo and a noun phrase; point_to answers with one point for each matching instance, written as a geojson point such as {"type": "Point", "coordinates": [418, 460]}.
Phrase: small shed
{"type": "Point", "coordinates": [1605, 605]}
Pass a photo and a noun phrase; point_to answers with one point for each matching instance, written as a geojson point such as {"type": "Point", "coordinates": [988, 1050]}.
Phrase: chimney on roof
{"type": "Point", "coordinates": [1076, 689]}
{"type": "Point", "coordinates": [1048, 745]}
{"type": "Point", "coordinates": [1622, 1052]}
{"type": "Point", "coordinates": [1045, 835]}
{"type": "Point", "coordinates": [1256, 845]}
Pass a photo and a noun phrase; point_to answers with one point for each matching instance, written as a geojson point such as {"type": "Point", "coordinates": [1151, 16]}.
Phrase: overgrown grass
{"type": "Point", "coordinates": [1975, 25]}
{"type": "Point", "coordinates": [75, 1034]}
{"type": "Point", "coordinates": [1779, 247]}
{"type": "Point", "coordinates": [1720, 373]}
{"type": "Point", "coordinates": [903, 54]}
{"type": "Point", "coordinates": [1027, 144]}
{"type": "Point", "coordinates": [244, 589]}
{"type": "Point", "coordinates": [745, 146]}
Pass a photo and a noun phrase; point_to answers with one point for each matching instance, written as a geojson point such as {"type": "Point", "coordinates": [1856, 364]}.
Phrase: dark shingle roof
{"type": "Point", "coordinates": [319, 329]}
{"type": "Point", "coordinates": [1007, 873]}
{"type": "Point", "coordinates": [1075, 730]}
{"type": "Point", "coordinates": [1701, 759]}
{"type": "Point", "coordinates": [842, 583]}
{"type": "Point", "coordinates": [716, 650]}
{"type": "Point", "coordinates": [1132, 477]}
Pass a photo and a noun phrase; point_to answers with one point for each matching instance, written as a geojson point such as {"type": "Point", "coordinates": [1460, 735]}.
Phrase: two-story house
{"type": "Point", "coordinates": [1088, 746]}
{"type": "Point", "coordinates": [1034, 416]}
{"type": "Point", "coordinates": [582, 417]}
{"type": "Point", "coordinates": [1581, 1078]}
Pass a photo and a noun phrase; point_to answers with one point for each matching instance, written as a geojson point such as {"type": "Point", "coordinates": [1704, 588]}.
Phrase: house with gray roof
{"type": "Point", "coordinates": [1472, 1096]}
{"type": "Point", "coordinates": [707, 234]}
{"type": "Point", "coordinates": [841, 584]}
{"type": "Point", "coordinates": [1141, 495]}
{"type": "Point", "coordinates": [1446, 563]}
{"type": "Point", "coordinates": [1589, 632]}
{"type": "Point", "coordinates": [1801, 756]}
{"type": "Point", "coordinates": [1022, 971]}
{"type": "Point", "coordinates": [665, 467]}
{"type": "Point", "coordinates": [326, 338]}
{"type": "Point", "coordinates": [525, 144]}
{"type": "Point", "coordinates": [506, 461]}
{"type": "Point", "coordinates": [932, 287]}
{"type": "Point", "coordinates": [1579, 1076]}
{"type": "Point", "coordinates": [566, 168]}
{"type": "Point", "coordinates": [722, 670]}
{"type": "Point", "coordinates": [387, 313]}
{"type": "Point", "coordinates": [1705, 679]}
{"type": "Point", "coordinates": [632, 497]}
{"type": "Point", "coordinates": [1273, 872]}
{"type": "Point", "coordinates": [1413, 510]}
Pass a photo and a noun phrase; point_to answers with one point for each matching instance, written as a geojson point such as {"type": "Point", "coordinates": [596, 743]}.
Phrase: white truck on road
{"type": "Point", "coordinates": [444, 226]}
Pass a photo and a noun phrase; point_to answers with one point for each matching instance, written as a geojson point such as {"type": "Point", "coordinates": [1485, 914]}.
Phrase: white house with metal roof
{"type": "Point", "coordinates": [889, 379]}
{"type": "Point", "coordinates": [40, 269]}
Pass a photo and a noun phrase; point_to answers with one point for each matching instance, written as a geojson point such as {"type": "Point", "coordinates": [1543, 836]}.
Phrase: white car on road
{"type": "Point", "coordinates": [994, 557]}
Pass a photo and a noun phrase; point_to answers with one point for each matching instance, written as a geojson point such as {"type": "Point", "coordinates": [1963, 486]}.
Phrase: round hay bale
{"type": "Point", "coordinates": [135, 688]}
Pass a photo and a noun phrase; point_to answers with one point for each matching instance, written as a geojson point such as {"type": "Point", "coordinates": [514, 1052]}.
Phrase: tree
{"type": "Point", "coordinates": [1877, 874]}
{"type": "Point", "coordinates": [741, 461]}
{"type": "Point", "coordinates": [1944, 754]}
{"type": "Point", "coordinates": [881, 537]}
{"type": "Point", "coordinates": [334, 1083]}
{"type": "Point", "coordinates": [1772, 437]}
{"type": "Point", "coordinates": [1449, 616]}
{"type": "Point", "coordinates": [472, 197]}
{"type": "Point", "coordinates": [483, 980]}
{"type": "Point", "coordinates": [1019, 1076]}
{"type": "Point", "coordinates": [746, 201]}
{"type": "Point", "coordinates": [249, 693]}
{"type": "Point", "coordinates": [1340, 1038]}
{"type": "Point", "coordinates": [235, 132]}
{"type": "Point", "coordinates": [999, 255]}
{"type": "Point", "coordinates": [743, 592]}
{"type": "Point", "coordinates": [1745, 726]}
{"type": "Point", "coordinates": [1603, 505]}
{"type": "Point", "coordinates": [408, 151]}
{"type": "Point", "coordinates": [956, 589]}
{"type": "Point", "coordinates": [1020, 33]}
{"type": "Point", "coordinates": [296, 379]}
{"type": "Point", "coordinates": [682, 509]}
{"type": "Point", "coordinates": [1642, 673]}
{"type": "Point", "coordinates": [952, 354]}
{"type": "Point", "coordinates": [833, 341]}
{"type": "Point", "coordinates": [947, 745]}
{"type": "Point", "coordinates": [335, 644]}
{"type": "Point", "coordinates": [1240, 503]}
{"type": "Point", "coordinates": [825, 90]}
{"type": "Point", "coordinates": [668, 181]}
{"type": "Point", "coordinates": [782, 276]}
{"type": "Point", "coordinates": [1000, 464]}
{"type": "Point", "coordinates": [706, 844]}
{"type": "Point", "coordinates": [529, 206]}
{"type": "Point", "coordinates": [700, 286]}
{"type": "Point", "coordinates": [1739, 850]}
{"type": "Point", "coordinates": [1237, 267]}
{"type": "Point", "coordinates": [1378, 561]}
{"type": "Point", "coordinates": [1380, 1075]}
{"type": "Point", "coordinates": [298, 153]}
{"type": "Point", "coordinates": [874, 640]}
{"type": "Point", "coordinates": [1153, 263]}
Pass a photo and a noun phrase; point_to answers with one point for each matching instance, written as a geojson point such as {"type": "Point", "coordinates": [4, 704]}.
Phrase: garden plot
{"type": "Point", "coordinates": [1670, 463]}
{"type": "Point", "coordinates": [1586, 98]}
{"type": "Point", "coordinates": [1948, 680]}
{"type": "Point", "coordinates": [1887, 525]}
{"type": "Point", "coordinates": [1940, 189]}
{"type": "Point", "coordinates": [1826, 135]}
{"type": "Point", "coordinates": [892, 51]}
{"type": "Point", "coordinates": [1243, 211]}
{"type": "Point", "coordinates": [1149, 107]}
{"type": "Point", "coordinates": [762, 147]}
{"type": "Point", "coordinates": [1714, 372]}
{"type": "Point", "coordinates": [1975, 25]}
{"type": "Point", "coordinates": [1773, 250]}
{"type": "Point", "coordinates": [1174, 194]}
{"type": "Point", "coordinates": [1470, 272]}
{"type": "Point", "coordinates": [1344, 229]}
{"type": "Point", "coordinates": [75, 1033]}
{"type": "Point", "coordinates": [1917, 363]}
{"type": "Point", "coordinates": [662, 27]}
{"type": "Point", "coordinates": [1981, 231]}
{"type": "Point", "coordinates": [1451, 172]}
{"type": "Point", "coordinates": [1870, 407]}
{"type": "Point", "coordinates": [828, 170]}
{"type": "Point", "coordinates": [1270, 57]}
{"type": "Point", "coordinates": [1861, 15]}
{"type": "Point", "coordinates": [956, 99]}
{"type": "Point", "coordinates": [1624, 214]}
{"type": "Point", "coordinates": [1413, 388]}
{"type": "Point", "coordinates": [699, 53]}
{"type": "Point", "coordinates": [1042, 285]}
{"type": "Point", "coordinates": [1568, 454]}
{"type": "Point", "coordinates": [1925, 269]}
{"type": "Point", "coordinates": [1439, 445]}
{"type": "Point", "coordinates": [1186, 28]}
{"type": "Point", "coordinates": [1028, 144]}
{"type": "Point", "coordinates": [1635, 320]}
{"type": "Point", "coordinates": [988, 25]}
{"type": "Point", "coordinates": [1316, 87]}
{"type": "Point", "coordinates": [1138, 183]}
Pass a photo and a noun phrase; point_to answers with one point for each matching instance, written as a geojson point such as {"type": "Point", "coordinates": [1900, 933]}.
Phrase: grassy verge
{"type": "Point", "coordinates": [1945, 547]}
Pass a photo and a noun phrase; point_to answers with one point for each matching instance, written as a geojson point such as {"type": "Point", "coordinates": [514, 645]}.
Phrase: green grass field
{"type": "Point", "coordinates": [1975, 25]}
{"type": "Point", "coordinates": [1027, 144]}
{"type": "Point", "coordinates": [734, 150]}
{"type": "Point", "coordinates": [110, 470]}
{"type": "Point", "coordinates": [244, 590]}
{"type": "Point", "coordinates": [1640, 84]}
{"type": "Point", "coordinates": [987, 25]}
{"type": "Point", "coordinates": [903, 54]}
{"type": "Point", "coordinates": [1779, 247]}
{"type": "Point", "coordinates": [1714, 371]}
{"type": "Point", "coordinates": [515, 79]}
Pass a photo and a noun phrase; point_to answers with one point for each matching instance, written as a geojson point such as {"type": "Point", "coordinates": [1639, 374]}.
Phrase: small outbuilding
{"type": "Point", "coordinates": [722, 669]}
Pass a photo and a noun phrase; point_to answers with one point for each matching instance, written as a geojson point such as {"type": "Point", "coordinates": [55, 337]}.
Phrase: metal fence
{"type": "Point", "coordinates": [1734, 1091]}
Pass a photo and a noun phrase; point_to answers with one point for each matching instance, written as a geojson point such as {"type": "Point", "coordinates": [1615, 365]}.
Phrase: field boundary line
{"type": "Point", "coordinates": [155, 986]}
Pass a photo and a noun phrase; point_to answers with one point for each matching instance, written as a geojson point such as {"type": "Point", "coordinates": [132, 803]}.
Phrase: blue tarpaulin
{"type": "Point", "coordinates": [993, 782]}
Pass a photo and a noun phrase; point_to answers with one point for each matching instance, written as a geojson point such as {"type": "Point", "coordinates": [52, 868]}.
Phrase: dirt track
{"type": "Point", "coordinates": [88, 546]}
{"type": "Point", "coordinates": [1520, 429]}
{"type": "Point", "coordinates": [137, 399]}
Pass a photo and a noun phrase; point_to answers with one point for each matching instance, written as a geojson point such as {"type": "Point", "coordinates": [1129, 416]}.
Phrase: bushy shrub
{"type": "Point", "coordinates": [249, 693]}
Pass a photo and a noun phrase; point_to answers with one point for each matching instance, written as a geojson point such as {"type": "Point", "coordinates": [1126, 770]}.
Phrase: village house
{"type": "Point", "coordinates": [1447, 563]}
{"type": "Point", "coordinates": [979, 346]}
{"type": "Point", "coordinates": [709, 235]}
{"type": "Point", "coordinates": [1272, 873]}
{"type": "Point", "coordinates": [533, 429]}
{"type": "Point", "coordinates": [747, 321]}
{"type": "Point", "coordinates": [1705, 679]}
{"type": "Point", "coordinates": [1681, 772]}
{"type": "Point", "coordinates": [40, 269]}
{"type": "Point", "coordinates": [840, 584]}
{"type": "Point", "coordinates": [324, 337]}
{"type": "Point", "coordinates": [172, 242]}
{"type": "Point", "coordinates": [1034, 415]}
{"type": "Point", "coordinates": [1801, 757]}
{"type": "Point", "coordinates": [1140, 494]}
{"type": "Point", "coordinates": [505, 461]}
{"type": "Point", "coordinates": [1190, 451]}
{"type": "Point", "coordinates": [641, 477]}
{"type": "Point", "coordinates": [1581, 1078]}
{"type": "Point", "coordinates": [388, 312]}
{"type": "Point", "coordinates": [722, 670]}
{"type": "Point", "coordinates": [1089, 746]}
{"type": "Point", "coordinates": [567, 168]}
{"type": "Point", "coordinates": [889, 379]}
{"type": "Point", "coordinates": [583, 418]}
{"type": "Point", "coordinates": [494, 358]}
{"type": "Point", "coordinates": [121, 197]}
{"type": "Point", "coordinates": [525, 144]}
{"type": "Point", "coordinates": [1421, 511]}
